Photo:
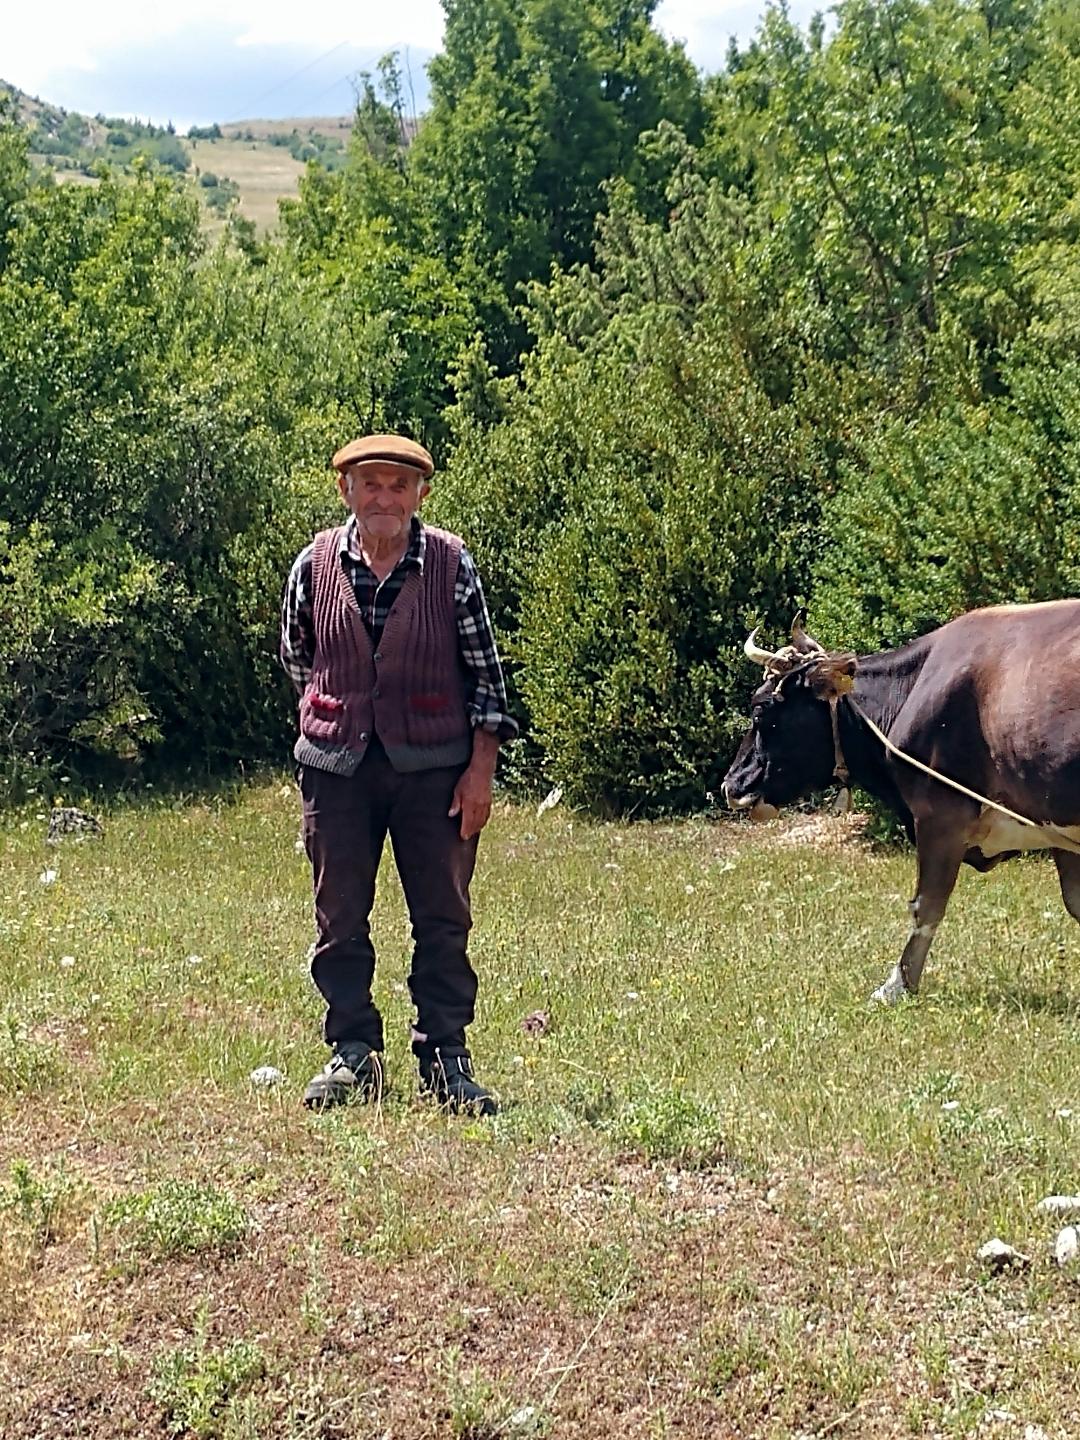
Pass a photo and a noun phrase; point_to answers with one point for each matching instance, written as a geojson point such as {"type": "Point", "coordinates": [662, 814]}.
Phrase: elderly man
{"type": "Point", "coordinates": [386, 635]}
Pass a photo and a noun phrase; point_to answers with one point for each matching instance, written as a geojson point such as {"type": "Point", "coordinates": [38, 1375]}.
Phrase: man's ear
{"type": "Point", "coordinates": [425, 491]}
{"type": "Point", "coordinates": [343, 485]}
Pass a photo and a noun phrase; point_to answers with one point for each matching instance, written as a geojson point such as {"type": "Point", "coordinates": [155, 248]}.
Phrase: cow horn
{"type": "Point", "coordinates": [754, 652]}
{"type": "Point", "coordinates": [805, 644]}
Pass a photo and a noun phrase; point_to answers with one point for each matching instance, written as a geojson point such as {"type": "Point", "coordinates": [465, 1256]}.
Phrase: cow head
{"type": "Point", "coordinates": [789, 749]}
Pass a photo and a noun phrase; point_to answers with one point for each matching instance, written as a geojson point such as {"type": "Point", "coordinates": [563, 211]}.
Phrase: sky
{"type": "Point", "coordinates": [205, 60]}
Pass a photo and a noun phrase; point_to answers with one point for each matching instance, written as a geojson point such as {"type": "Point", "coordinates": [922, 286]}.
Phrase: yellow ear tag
{"type": "Point", "coordinates": [844, 684]}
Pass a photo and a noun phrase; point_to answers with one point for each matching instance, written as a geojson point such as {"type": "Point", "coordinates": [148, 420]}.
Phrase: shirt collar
{"type": "Point", "coordinates": [413, 557]}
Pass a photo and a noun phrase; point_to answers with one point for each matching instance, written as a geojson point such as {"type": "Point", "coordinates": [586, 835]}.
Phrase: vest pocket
{"type": "Point", "coordinates": [321, 716]}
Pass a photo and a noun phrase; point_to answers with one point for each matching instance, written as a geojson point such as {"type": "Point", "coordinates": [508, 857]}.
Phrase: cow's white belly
{"type": "Point", "coordinates": [994, 834]}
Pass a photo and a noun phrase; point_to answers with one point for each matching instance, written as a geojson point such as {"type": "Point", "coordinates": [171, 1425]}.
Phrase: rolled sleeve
{"type": "Point", "coordinates": [297, 648]}
{"type": "Point", "coordinates": [485, 698]}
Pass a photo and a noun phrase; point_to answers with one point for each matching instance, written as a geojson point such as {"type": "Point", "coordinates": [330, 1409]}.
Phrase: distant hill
{"type": "Point", "coordinates": [66, 140]}
{"type": "Point", "coordinates": [246, 164]}
{"type": "Point", "coordinates": [334, 127]}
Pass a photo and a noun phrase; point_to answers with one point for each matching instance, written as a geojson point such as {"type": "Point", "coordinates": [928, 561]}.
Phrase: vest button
{"type": "Point", "coordinates": [378, 654]}
{"type": "Point", "coordinates": [363, 735]}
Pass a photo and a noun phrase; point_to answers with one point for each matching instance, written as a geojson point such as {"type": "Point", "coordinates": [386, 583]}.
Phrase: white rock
{"type": "Point", "coordinates": [67, 961]}
{"type": "Point", "coordinates": [47, 877]}
{"type": "Point", "coordinates": [266, 1076]}
{"type": "Point", "coordinates": [950, 1105]}
{"type": "Point", "coordinates": [1001, 1256]}
{"type": "Point", "coordinates": [194, 959]}
{"type": "Point", "coordinates": [550, 800]}
{"type": "Point", "coordinates": [526, 1419]}
{"type": "Point", "coordinates": [1067, 1245]}
{"type": "Point", "coordinates": [1059, 1204]}
{"type": "Point", "coordinates": [1035, 1432]}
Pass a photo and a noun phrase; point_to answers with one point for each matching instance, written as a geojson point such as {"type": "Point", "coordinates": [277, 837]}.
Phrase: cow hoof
{"type": "Point", "coordinates": [892, 992]}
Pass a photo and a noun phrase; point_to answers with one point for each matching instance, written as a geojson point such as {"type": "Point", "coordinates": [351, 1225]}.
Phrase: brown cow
{"type": "Point", "coordinates": [991, 700]}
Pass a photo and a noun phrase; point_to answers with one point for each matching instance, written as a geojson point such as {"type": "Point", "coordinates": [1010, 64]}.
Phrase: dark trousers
{"type": "Point", "coordinates": [346, 821]}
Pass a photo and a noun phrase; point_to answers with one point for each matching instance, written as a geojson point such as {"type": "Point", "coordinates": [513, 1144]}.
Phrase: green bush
{"type": "Point", "coordinates": [178, 1217]}
{"type": "Point", "coordinates": [977, 505]}
{"type": "Point", "coordinates": [664, 1124]}
{"type": "Point", "coordinates": [166, 415]}
{"type": "Point", "coordinates": [199, 1386]}
{"type": "Point", "coordinates": [655, 509]}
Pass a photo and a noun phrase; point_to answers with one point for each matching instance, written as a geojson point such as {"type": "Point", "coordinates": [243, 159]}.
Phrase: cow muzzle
{"type": "Point", "coordinates": [760, 810]}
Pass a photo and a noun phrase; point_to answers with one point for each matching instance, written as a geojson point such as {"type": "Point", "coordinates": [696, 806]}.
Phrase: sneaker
{"type": "Point", "coordinates": [355, 1071]}
{"type": "Point", "coordinates": [447, 1074]}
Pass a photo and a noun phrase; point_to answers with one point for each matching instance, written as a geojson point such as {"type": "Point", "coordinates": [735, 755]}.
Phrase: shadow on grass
{"type": "Point", "coordinates": [1014, 998]}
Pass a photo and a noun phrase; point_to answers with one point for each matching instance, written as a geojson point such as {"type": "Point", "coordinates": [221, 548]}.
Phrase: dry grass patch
{"type": "Point", "coordinates": [265, 174]}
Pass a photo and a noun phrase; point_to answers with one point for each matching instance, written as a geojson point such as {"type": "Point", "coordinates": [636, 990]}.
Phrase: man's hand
{"type": "Point", "coordinates": [472, 793]}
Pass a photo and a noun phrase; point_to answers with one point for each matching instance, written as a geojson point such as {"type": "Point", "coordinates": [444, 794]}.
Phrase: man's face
{"type": "Point", "coordinates": [383, 496]}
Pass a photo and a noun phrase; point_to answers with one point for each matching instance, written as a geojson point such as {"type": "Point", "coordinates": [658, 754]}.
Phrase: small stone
{"type": "Point", "coordinates": [68, 820]}
{"type": "Point", "coordinates": [67, 961]}
{"type": "Point", "coordinates": [1059, 1205]}
{"type": "Point", "coordinates": [525, 1420]}
{"type": "Point", "coordinates": [1035, 1432]}
{"type": "Point", "coordinates": [538, 1022]}
{"type": "Point", "coordinates": [632, 995]}
{"type": "Point", "coordinates": [1063, 1114]}
{"type": "Point", "coordinates": [47, 877]}
{"type": "Point", "coordinates": [950, 1105]}
{"type": "Point", "coordinates": [194, 959]}
{"type": "Point", "coordinates": [1000, 1256]}
{"type": "Point", "coordinates": [1067, 1245]}
{"type": "Point", "coordinates": [266, 1077]}
{"type": "Point", "coordinates": [550, 800]}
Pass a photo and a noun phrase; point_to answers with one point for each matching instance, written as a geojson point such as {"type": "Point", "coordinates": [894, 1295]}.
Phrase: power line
{"type": "Point", "coordinates": [246, 114]}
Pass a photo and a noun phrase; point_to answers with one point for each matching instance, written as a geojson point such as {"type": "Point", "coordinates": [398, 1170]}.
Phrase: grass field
{"type": "Point", "coordinates": [724, 1198]}
{"type": "Point", "coordinates": [265, 174]}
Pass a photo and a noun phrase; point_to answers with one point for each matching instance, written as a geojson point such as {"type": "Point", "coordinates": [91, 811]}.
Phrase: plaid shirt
{"type": "Point", "coordinates": [485, 694]}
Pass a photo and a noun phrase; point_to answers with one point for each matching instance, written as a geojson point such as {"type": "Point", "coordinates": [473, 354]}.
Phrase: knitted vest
{"type": "Point", "coordinates": [410, 692]}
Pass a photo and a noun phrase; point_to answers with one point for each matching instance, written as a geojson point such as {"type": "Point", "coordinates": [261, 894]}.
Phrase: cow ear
{"type": "Point", "coordinates": [834, 677]}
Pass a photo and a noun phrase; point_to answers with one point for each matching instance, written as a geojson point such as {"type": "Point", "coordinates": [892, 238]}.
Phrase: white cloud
{"type": "Point", "coordinates": [45, 40]}
{"type": "Point", "coordinates": [47, 47]}
{"type": "Point", "coordinates": [338, 22]}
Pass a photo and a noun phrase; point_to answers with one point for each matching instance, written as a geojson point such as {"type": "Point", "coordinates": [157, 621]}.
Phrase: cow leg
{"type": "Point", "coordinates": [940, 850]}
{"type": "Point", "coordinates": [1068, 868]}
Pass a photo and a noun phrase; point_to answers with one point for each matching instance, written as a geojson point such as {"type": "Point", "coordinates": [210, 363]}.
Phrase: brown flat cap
{"type": "Point", "coordinates": [393, 448]}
